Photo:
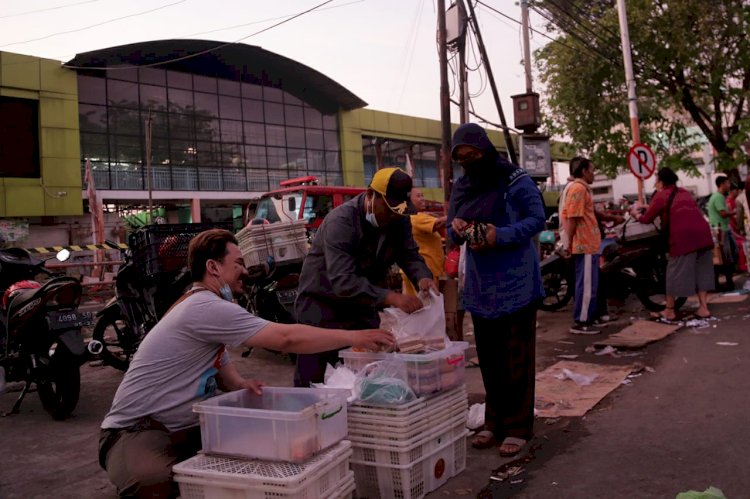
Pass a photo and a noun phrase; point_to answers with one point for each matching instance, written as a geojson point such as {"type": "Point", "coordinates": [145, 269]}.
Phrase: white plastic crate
{"type": "Point", "coordinates": [282, 424]}
{"type": "Point", "coordinates": [396, 424]}
{"type": "Point", "coordinates": [427, 373]}
{"type": "Point", "coordinates": [346, 488]}
{"type": "Point", "coordinates": [214, 477]}
{"type": "Point", "coordinates": [403, 442]}
{"type": "Point", "coordinates": [410, 412]}
{"type": "Point", "coordinates": [283, 241]}
{"type": "Point", "coordinates": [411, 481]}
{"type": "Point", "coordinates": [394, 454]}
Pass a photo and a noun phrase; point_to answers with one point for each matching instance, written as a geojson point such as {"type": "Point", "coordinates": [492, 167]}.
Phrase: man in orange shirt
{"type": "Point", "coordinates": [583, 241]}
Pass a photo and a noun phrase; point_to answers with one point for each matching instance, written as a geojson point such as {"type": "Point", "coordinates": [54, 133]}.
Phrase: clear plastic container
{"type": "Point", "coordinates": [282, 424]}
{"type": "Point", "coordinates": [427, 373]}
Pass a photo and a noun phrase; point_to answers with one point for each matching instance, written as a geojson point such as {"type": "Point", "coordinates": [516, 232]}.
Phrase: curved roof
{"type": "Point", "coordinates": [231, 61]}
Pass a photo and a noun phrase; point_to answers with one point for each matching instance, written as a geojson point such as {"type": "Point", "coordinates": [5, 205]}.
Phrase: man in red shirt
{"type": "Point", "coordinates": [690, 269]}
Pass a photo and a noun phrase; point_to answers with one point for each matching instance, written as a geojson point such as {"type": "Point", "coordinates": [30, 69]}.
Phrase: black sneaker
{"type": "Point", "coordinates": [605, 319]}
{"type": "Point", "coordinates": [581, 328]}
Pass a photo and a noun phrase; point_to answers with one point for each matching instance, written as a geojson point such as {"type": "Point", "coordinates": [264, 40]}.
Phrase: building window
{"type": "Point", "coordinates": [207, 133]}
{"type": "Point", "coordinates": [382, 152]}
{"type": "Point", "coordinates": [19, 138]}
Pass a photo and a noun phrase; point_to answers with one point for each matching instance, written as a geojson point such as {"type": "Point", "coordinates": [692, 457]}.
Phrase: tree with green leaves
{"type": "Point", "coordinates": [692, 67]}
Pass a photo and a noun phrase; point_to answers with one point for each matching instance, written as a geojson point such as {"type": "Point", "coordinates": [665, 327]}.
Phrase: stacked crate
{"type": "Point", "coordinates": [408, 450]}
{"type": "Point", "coordinates": [285, 443]}
{"type": "Point", "coordinates": [273, 243]}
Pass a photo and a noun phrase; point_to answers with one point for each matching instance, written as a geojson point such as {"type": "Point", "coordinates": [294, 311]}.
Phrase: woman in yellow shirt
{"type": "Point", "coordinates": [426, 231]}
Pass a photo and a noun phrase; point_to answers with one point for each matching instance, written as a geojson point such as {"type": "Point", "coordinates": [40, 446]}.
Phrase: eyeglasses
{"type": "Point", "coordinates": [468, 156]}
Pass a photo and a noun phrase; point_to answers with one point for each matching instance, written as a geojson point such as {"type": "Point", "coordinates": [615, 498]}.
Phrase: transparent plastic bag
{"type": "Point", "coordinates": [384, 383]}
{"type": "Point", "coordinates": [423, 330]}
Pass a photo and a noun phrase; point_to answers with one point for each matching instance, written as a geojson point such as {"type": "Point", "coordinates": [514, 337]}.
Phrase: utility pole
{"type": "Point", "coordinates": [630, 80]}
{"type": "Point", "coordinates": [148, 168]}
{"type": "Point", "coordinates": [526, 48]}
{"type": "Point", "coordinates": [445, 110]}
{"type": "Point", "coordinates": [506, 133]}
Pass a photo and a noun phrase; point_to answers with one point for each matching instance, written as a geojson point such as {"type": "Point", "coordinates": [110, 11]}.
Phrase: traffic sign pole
{"type": "Point", "coordinates": [630, 80]}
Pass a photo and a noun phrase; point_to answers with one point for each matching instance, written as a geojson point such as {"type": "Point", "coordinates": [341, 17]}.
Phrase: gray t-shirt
{"type": "Point", "coordinates": [177, 362]}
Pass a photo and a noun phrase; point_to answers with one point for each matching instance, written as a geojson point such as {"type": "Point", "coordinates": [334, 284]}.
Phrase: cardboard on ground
{"type": "Point", "coordinates": [564, 397]}
{"type": "Point", "coordinates": [639, 334]}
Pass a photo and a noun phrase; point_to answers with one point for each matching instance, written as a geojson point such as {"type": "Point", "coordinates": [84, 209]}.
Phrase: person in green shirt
{"type": "Point", "coordinates": [718, 217]}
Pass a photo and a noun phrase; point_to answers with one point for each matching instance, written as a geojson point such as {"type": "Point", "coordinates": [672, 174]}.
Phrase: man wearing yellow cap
{"type": "Point", "coordinates": [343, 277]}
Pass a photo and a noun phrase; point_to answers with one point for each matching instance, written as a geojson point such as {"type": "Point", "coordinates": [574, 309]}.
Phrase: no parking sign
{"type": "Point", "coordinates": [642, 161]}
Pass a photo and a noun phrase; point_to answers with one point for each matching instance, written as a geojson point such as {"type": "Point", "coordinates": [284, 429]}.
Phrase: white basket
{"type": "Point", "coordinates": [281, 424]}
{"type": "Point", "coordinates": [436, 414]}
{"type": "Point", "coordinates": [346, 488]}
{"type": "Point", "coordinates": [208, 477]}
{"type": "Point", "coordinates": [392, 454]}
{"type": "Point", "coordinates": [405, 441]}
{"type": "Point", "coordinates": [412, 481]}
{"type": "Point", "coordinates": [283, 241]}
{"type": "Point", "coordinates": [411, 412]}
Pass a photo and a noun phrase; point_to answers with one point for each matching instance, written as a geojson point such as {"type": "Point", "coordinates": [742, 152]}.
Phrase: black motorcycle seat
{"type": "Point", "coordinates": [17, 256]}
{"type": "Point", "coordinates": [20, 299]}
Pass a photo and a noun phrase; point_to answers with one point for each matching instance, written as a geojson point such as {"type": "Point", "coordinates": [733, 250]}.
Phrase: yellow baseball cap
{"type": "Point", "coordinates": [394, 184]}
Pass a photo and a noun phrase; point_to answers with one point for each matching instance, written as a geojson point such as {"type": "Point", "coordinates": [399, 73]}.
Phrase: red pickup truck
{"type": "Point", "coordinates": [303, 199]}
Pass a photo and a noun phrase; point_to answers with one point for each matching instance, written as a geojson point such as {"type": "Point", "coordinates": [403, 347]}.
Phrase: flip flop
{"type": "Point", "coordinates": [663, 320]}
{"type": "Point", "coordinates": [483, 440]}
{"type": "Point", "coordinates": [702, 317]}
{"type": "Point", "coordinates": [519, 443]}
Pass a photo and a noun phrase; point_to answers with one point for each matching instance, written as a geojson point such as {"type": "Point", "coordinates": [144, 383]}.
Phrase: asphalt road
{"type": "Point", "coordinates": [682, 427]}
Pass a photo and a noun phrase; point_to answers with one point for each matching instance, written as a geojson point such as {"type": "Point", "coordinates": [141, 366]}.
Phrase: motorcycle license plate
{"type": "Point", "coordinates": [69, 320]}
{"type": "Point", "coordinates": [287, 295]}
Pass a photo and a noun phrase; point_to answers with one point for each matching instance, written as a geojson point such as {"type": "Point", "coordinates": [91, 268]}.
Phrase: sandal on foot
{"type": "Point", "coordinates": [657, 317]}
{"type": "Point", "coordinates": [702, 317]}
{"type": "Point", "coordinates": [512, 446]}
{"type": "Point", "coordinates": [483, 440]}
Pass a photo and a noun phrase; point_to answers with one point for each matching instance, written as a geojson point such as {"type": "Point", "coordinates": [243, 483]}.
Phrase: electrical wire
{"type": "Point", "coordinates": [554, 40]}
{"type": "Point", "coordinates": [411, 44]}
{"type": "Point", "coordinates": [46, 9]}
{"type": "Point", "coordinates": [227, 28]}
{"type": "Point", "coordinates": [202, 52]}
{"type": "Point", "coordinates": [94, 25]}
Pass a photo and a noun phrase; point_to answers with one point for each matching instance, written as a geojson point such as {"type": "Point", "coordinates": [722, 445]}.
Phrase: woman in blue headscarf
{"type": "Point", "coordinates": [498, 209]}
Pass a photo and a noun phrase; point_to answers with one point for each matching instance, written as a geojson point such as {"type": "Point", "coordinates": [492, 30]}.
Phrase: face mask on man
{"type": "Point", "coordinates": [224, 291]}
{"type": "Point", "coordinates": [370, 215]}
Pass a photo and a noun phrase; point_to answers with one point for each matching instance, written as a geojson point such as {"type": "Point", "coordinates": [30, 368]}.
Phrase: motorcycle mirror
{"type": "Point", "coordinates": [63, 255]}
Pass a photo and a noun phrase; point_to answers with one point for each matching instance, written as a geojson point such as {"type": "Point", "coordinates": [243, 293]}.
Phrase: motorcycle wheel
{"type": "Point", "coordinates": [60, 384]}
{"type": "Point", "coordinates": [558, 290]}
{"type": "Point", "coordinates": [650, 288]}
{"type": "Point", "coordinates": [113, 332]}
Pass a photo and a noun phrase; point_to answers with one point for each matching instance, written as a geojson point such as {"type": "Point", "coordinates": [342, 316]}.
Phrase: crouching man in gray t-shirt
{"type": "Point", "coordinates": [183, 360]}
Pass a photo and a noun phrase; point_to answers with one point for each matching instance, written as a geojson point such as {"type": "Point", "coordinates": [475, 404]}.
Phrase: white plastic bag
{"type": "Point", "coordinates": [476, 417]}
{"type": "Point", "coordinates": [425, 326]}
{"type": "Point", "coordinates": [338, 377]}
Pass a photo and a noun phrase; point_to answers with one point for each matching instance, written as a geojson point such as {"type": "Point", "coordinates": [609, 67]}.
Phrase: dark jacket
{"type": "Point", "coordinates": [506, 278]}
{"type": "Point", "coordinates": [342, 284]}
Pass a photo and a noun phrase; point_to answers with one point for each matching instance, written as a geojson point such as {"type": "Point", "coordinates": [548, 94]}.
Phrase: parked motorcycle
{"type": "Point", "coordinates": [40, 332]}
{"type": "Point", "coordinates": [271, 291]}
{"type": "Point", "coordinates": [140, 301]}
{"type": "Point", "coordinates": [631, 263]}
